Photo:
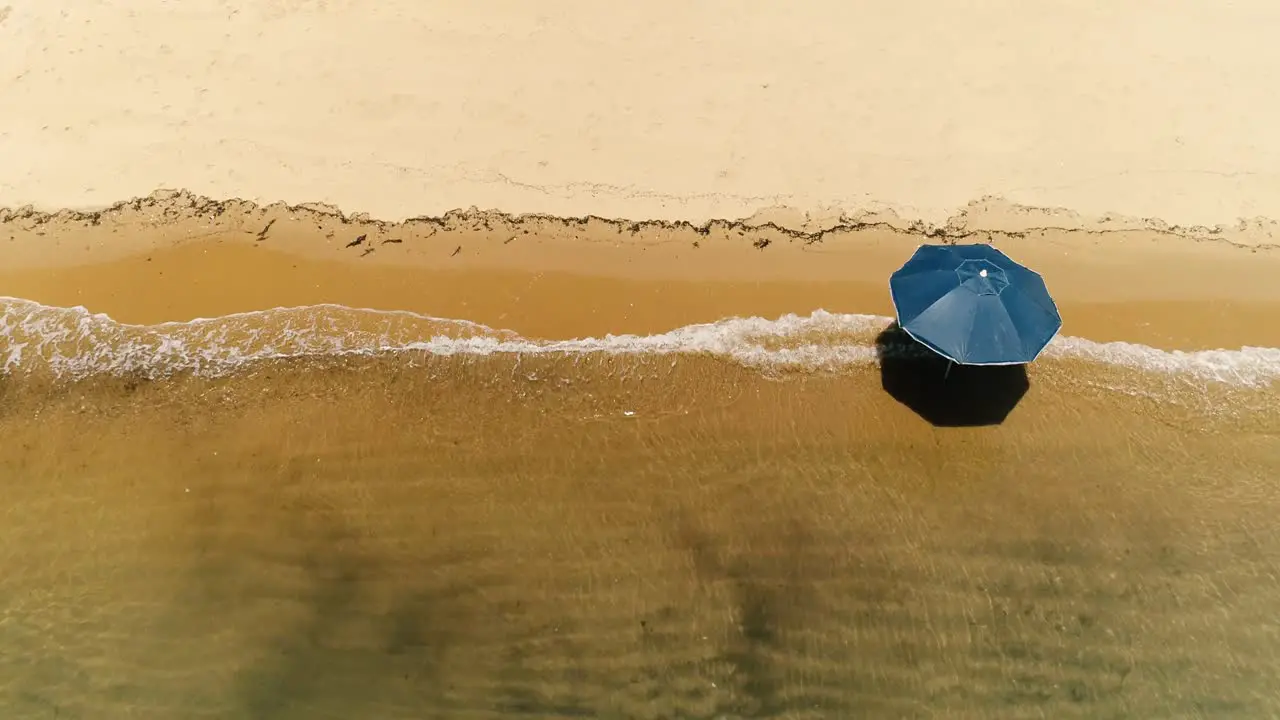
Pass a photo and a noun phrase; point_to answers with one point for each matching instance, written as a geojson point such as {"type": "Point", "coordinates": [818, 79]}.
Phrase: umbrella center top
{"type": "Point", "coordinates": [982, 277]}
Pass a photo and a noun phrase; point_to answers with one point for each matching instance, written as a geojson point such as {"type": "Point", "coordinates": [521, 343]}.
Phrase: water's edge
{"type": "Point", "coordinates": [74, 343]}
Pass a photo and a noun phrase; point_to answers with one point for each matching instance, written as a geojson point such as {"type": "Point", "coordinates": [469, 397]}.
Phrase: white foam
{"type": "Point", "coordinates": [74, 343]}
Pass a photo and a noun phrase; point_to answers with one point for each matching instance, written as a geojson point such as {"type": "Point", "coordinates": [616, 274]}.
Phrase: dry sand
{"type": "Point", "coordinates": [667, 110]}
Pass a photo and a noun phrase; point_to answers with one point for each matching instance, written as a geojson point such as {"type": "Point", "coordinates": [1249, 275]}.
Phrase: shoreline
{"type": "Point", "coordinates": [985, 217]}
{"type": "Point", "coordinates": [538, 359]}
{"type": "Point", "coordinates": [174, 256]}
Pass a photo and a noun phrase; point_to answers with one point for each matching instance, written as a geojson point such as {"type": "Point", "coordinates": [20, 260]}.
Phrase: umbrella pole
{"type": "Point", "coordinates": [947, 374]}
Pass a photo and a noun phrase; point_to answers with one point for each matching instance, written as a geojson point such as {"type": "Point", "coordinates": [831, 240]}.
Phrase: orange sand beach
{"type": "Point", "coordinates": [299, 436]}
{"type": "Point", "coordinates": [491, 466]}
{"type": "Point", "coordinates": [174, 256]}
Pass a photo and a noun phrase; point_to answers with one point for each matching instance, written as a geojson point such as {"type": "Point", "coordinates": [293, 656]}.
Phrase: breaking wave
{"type": "Point", "coordinates": [74, 343]}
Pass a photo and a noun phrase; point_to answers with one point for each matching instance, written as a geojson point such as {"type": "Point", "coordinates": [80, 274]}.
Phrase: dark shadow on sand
{"type": "Point", "coordinates": [970, 396]}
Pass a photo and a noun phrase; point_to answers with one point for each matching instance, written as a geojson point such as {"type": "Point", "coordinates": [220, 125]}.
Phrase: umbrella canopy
{"type": "Point", "coordinates": [973, 305]}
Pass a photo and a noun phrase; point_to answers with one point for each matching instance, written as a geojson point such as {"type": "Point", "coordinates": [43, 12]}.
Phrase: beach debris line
{"type": "Point", "coordinates": [262, 234]}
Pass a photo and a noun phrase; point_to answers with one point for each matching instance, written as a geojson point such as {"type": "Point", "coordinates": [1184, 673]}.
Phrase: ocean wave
{"type": "Point", "coordinates": [75, 343]}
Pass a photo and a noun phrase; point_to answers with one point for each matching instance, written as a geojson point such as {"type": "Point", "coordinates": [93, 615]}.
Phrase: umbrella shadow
{"type": "Point", "coordinates": [967, 396]}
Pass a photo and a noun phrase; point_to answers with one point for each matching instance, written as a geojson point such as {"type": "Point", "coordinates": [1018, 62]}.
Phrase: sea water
{"type": "Point", "coordinates": [332, 512]}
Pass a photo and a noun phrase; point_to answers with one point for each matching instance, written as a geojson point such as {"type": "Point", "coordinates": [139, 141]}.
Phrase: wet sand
{"type": "Point", "coordinates": [174, 256]}
{"type": "Point", "coordinates": [628, 535]}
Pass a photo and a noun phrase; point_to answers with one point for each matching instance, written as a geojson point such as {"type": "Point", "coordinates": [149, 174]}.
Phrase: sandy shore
{"type": "Point", "coordinates": [635, 535]}
{"type": "Point", "coordinates": [451, 532]}
{"type": "Point", "coordinates": [177, 257]}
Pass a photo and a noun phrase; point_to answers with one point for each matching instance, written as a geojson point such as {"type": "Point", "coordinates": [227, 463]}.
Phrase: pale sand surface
{"type": "Point", "coordinates": [638, 536]}
{"type": "Point", "coordinates": [672, 109]}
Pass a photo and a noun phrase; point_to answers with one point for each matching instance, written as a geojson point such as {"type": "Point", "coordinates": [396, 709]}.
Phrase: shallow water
{"type": "Point", "coordinates": [671, 531]}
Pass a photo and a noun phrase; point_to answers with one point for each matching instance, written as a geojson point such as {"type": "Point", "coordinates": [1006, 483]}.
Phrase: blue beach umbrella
{"type": "Point", "coordinates": [974, 305]}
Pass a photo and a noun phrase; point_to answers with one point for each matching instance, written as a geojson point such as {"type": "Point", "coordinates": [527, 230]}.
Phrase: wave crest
{"type": "Point", "coordinates": [75, 343]}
